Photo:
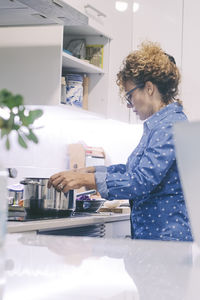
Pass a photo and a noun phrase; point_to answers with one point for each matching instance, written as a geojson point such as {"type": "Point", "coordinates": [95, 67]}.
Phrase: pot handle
{"type": "Point", "coordinates": [90, 192]}
{"type": "Point", "coordinates": [29, 181]}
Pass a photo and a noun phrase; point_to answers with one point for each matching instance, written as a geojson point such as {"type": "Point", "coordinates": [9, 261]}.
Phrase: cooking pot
{"type": "Point", "coordinates": [39, 200]}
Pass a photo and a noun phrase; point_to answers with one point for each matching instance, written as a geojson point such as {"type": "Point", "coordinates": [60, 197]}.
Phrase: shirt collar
{"type": "Point", "coordinates": [153, 120]}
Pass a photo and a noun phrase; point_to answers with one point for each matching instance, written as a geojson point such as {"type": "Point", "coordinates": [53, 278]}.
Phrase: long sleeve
{"type": "Point", "coordinates": [101, 173]}
{"type": "Point", "coordinates": [120, 168]}
{"type": "Point", "coordinates": [156, 159]}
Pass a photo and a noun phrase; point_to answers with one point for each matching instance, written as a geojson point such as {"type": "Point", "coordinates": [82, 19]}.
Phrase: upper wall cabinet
{"type": "Point", "coordinates": [96, 13]}
{"type": "Point", "coordinates": [32, 58]}
{"type": "Point", "coordinates": [30, 61]}
{"type": "Point", "coordinates": [31, 12]}
{"type": "Point", "coordinates": [191, 61]}
{"type": "Point", "coordinates": [97, 74]}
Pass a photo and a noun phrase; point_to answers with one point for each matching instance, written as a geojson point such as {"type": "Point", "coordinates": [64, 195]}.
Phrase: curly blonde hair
{"type": "Point", "coordinates": [151, 63]}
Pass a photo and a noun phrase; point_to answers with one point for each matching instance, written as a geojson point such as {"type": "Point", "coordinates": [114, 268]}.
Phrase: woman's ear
{"type": "Point", "coordinates": [149, 87]}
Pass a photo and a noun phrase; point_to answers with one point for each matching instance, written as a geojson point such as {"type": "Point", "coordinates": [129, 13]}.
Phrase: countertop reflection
{"type": "Point", "coordinates": [58, 267]}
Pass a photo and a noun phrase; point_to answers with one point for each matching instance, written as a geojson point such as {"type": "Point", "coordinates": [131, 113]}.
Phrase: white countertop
{"type": "Point", "coordinates": [87, 219]}
{"type": "Point", "coordinates": [40, 267]}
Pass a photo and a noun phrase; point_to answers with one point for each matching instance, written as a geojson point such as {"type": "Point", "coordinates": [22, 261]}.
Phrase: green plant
{"type": "Point", "coordinates": [14, 116]}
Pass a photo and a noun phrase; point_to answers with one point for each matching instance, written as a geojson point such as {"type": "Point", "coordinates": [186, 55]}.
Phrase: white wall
{"type": "Point", "coordinates": [191, 59]}
{"type": "Point", "coordinates": [62, 126]}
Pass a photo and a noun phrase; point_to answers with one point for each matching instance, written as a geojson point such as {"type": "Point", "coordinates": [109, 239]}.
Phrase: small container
{"type": "Point", "coordinates": [74, 90]}
{"type": "Point", "coordinates": [91, 205]}
{"type": "Point", "coordinates": [15, 192]}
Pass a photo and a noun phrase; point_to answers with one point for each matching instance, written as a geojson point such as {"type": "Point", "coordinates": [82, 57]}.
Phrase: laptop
{"type": "Point", "coordinates": [187, 146]}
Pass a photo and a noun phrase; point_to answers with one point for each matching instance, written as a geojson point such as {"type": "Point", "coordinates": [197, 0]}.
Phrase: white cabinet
{"type": "Point", "coordinates": [117, 25]}
{"type": "Point", "coordinates": [31, 12]}
{"type": "Point", "coordinates": [95, 10]}
{"type": "Point", "coordinates": [104, 18]}
{"type": "Point", "coordinates": [33, 60]}
{"type": "Point", "coordinates": [118, 229]}
{"type": "Point", "coordinates": [30, 61]}
{"type": "Point", "coordinates": [158, 21]}
{"type": "Point", "coordinates": [98, 77]}
{"type": "Point", "coordinates": [191, 62]}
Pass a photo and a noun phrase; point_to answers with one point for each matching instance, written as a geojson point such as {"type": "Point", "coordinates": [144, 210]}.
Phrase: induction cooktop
{"type": "Point", "coordinates": [23, 217]}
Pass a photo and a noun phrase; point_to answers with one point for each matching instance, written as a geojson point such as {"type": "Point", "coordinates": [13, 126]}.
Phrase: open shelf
{"type": "Point", "coordinates": [77, 65]}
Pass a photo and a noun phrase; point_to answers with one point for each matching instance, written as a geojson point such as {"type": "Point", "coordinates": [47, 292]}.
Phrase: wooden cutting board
{"type": "Point", "coordinates": [118, 210]}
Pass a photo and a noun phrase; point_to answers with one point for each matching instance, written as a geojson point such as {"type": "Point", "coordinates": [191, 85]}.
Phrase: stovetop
{"type": "Point", "coordinates": [22, 217]}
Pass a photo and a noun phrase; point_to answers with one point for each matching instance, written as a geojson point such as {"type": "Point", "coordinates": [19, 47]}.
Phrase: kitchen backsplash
{"type": "Point", "coordinates": [60, 126]}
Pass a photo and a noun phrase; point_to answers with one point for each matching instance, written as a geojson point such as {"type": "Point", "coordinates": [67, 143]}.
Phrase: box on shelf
{"type": "Point", "coordinates": [94, 53]}
{"type": "Point", "coordinates": [81, 156]}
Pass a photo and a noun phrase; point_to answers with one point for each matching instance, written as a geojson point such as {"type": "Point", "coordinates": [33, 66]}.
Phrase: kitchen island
{"type": "Point", "coordinates": [105, 224]}
{"type": "Point", "coordinates": [41, 267]}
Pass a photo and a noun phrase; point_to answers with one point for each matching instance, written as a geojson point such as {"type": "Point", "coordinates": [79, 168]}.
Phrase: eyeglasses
{"type": "Point", "coordinates": [128, 95]}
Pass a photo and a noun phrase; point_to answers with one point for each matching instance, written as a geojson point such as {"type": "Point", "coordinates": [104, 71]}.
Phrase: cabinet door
{"type": "Point", "coordinates": [30, 60]}
{"type": "Point", "coordinates": [95, 11]}
{"type": "Point", "coordinates": [118, 24]}
{"type": "Point", "coordinates": [118, 229]}
{"type": "Point", "coordinates": [5, 4]}
{"type": "Point", "coordinates": [191, 62]}
{"type": "Point", "coordinates": [103, 90]}
{"type": "Point", "coordinates": [77, 4]}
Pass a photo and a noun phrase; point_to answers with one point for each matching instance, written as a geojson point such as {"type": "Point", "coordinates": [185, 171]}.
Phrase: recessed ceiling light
{"type": "Point", "coordinates": [136, 6]}
{"type": "Point", "coordinates": [121, 6]}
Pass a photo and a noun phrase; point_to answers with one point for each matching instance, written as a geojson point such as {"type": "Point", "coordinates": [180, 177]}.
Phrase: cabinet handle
{"type": "Point", "coordinates": [99, 13]}
{"type": "Point", "coordinates": [39, 15]}
{"type": "Point", "coordinates": [57, 3]}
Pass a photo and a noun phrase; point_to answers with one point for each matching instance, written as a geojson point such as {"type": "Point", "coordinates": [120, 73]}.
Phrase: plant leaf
{"type": "Point", "coordinates": [18, 100]}
{"type": "Point", "coordinates": [32, 137]}
{"type": "Point", "coordinates": [35, 114]}
{"type": "Point", "coordinates": [9, 100]}
{"type": "Point", "coordinates": [4, 131]}
{"type": "Point", "coordinates": [7, 143]}
{"type": "Point", "coordinates": [19, 118]}
{"type": "Point", "coordinates": [22, 141]}
{"type": "Point", "coordinates": [1, 122]}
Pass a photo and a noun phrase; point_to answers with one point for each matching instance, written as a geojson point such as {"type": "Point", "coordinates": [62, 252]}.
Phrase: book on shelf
{"type": "Point", "coordinates": [94, 53]}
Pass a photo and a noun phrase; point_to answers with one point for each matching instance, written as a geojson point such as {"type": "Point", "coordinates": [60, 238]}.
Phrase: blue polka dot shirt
{"type": "Point", "coordinates": [150, 180]}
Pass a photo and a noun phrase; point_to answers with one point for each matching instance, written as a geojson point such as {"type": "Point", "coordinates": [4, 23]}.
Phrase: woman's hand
{"type": "Point", "coordinates": [68, 180]}
{"type": "Point", "coordinates": [85, 170]}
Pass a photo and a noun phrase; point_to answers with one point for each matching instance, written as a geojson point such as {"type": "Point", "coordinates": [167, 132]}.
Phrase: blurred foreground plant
{"type": "Point", "coordinates": [14, 116]}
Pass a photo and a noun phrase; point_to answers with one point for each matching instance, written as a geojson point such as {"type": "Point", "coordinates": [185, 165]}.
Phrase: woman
{"type": "Point", "coordinates": [149, 78]}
